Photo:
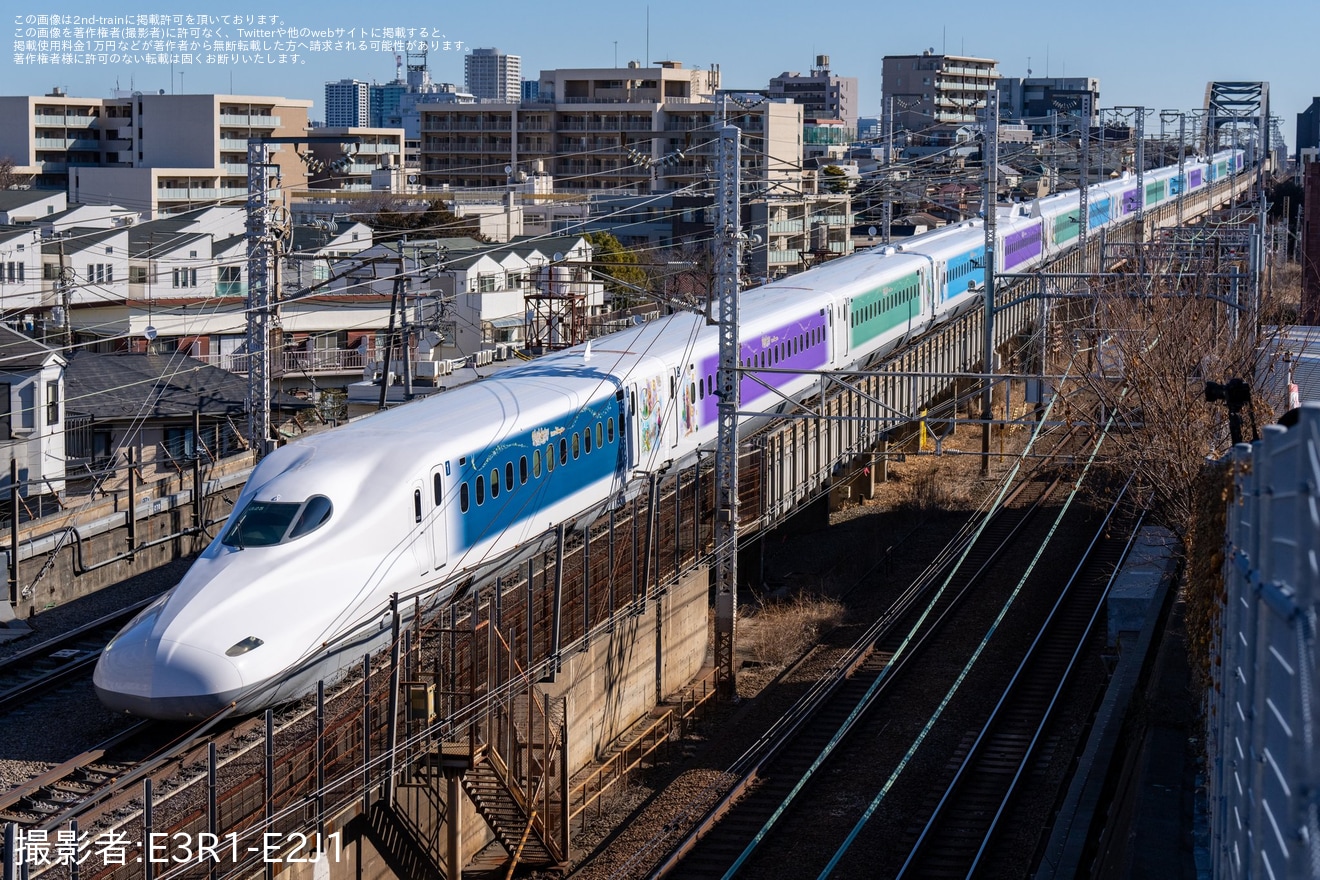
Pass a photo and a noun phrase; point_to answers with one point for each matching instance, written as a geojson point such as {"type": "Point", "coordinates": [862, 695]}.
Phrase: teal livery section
{"type": "Point", "coordinates": [883, 309]}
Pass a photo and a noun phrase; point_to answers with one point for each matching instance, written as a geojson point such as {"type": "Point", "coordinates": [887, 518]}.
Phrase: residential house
{"type": "Point", "coordinates": [147, 403]}
{"type": "Point", "coordinates": [32, 410]}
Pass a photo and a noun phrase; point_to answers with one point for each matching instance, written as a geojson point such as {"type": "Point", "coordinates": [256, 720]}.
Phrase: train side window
{"type": "Point", "coordinates": [417, 505]}
{"type": "Point", "coordinates": [586, 439]}
{"type": "Point", "coordinates": [481, 489]}
{"type": "Point", "coordinates": [522, 470]}
{"type": "Point", "coordinates": [495, 482]}
{"type": "Point", "coordinates": [436, 487]}
{"type": "Point", "coordinates": [610, 429]}
{"type": "Point", "coordinates": [463, 497]}
{"type": "Point", "coordinates": [508, 475]}
{"type": "Point", "coordinates": [600, 435]}
{"type": "Point", "coordinates": [550, 458]}
{"type": "Point", "coordinates": [563, 448]}
{"type": "Point", "coordinates": [536, 464]}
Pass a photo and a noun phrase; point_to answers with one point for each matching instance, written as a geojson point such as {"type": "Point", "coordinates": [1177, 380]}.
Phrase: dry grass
{"type": "Point", "coordinates": [777, 634]}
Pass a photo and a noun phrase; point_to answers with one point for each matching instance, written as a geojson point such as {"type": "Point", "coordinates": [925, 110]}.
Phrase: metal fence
{"type": "Point", "coordinates": [1264, 767]}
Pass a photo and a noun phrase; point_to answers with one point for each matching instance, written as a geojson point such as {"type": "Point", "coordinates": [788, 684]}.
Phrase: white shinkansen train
{"type": "Point", "coordinates": [296, 587]}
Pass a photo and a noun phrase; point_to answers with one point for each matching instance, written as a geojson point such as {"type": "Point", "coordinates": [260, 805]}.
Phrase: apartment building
{"type": "Point", "coordinates": [930, 89]}
{"type": "Point", "coordinates": [348, 167]}
{"type": "Point", "coordinates": [1041, 102]}
{"type": "Point", "coordinates": [821, 94]}
{"type": "Point", "coordinates": [153, 153]}
{"type": "Point", "coordinates": [493, 75]}
{"type": "Point", "coordinates": [348, 102]}
{"type": "Point", "coordinates": [629, 129]}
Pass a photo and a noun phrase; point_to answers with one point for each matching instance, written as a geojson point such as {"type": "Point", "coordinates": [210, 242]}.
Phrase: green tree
{"type": "Point", "coordinates": [396, 218]}
{"type": "Point", "coordinates": [617, 263]}
{"type": "Point", "coordinates": [834, 179]}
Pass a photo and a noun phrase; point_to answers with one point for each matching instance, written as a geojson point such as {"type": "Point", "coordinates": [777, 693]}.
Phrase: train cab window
{"type": "Point", "coordinates": [436, 487]}
{"type": "Point", "coordinates": [522, 470]}
{"type": "Point", "coordinates": [495, 483]}
{"type": "Point", "coordinates": [463, 498]}
{"type": "Point", "coordinates": [586, 439]}
{"type": "Point", "coordinates": [600, 435]}
{"type": "Point", "coordinates": [417, 505]}
{"type": "Point", "coordinates": [508, 475]}
{"type": "Point", "coordinates": [550, 458]}
{"type": "Point", "coordinates": [536, 464]}
{"type": "Point", "coordinates": [315, 513]}
{"type": "Point", "coordinates": [261, 524]}
{"type": "Point", "coordinates": [481, 490]}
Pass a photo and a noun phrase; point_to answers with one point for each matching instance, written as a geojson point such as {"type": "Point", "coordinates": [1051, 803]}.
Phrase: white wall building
{"type": "Point", "coordinates": [493, 75]}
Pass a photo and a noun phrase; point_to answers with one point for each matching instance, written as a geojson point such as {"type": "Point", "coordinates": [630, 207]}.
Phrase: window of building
{"type": "Point", "coordinates": [52, 403]}
{"type": "Point", "coordinates": [185, 277]}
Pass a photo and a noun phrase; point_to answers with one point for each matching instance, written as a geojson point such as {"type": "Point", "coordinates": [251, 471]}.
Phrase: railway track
{"type": "Point", "coordinates": [787, 758]}
{"type": "Point", "coordinates": [62, 659]}
{"type": "Point", "coordinates": [957, 840]}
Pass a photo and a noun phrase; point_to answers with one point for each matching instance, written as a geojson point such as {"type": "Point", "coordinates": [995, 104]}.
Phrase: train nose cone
{"type": "Point", "coordinates": [158, 678]}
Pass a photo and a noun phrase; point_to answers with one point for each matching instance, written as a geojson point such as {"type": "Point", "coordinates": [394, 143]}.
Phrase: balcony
{"type": "Point", "coordinates": [52, 143]}
{"type": "Point", "coordinates": [233, 144]}
{"type": "Point", "coordinates": [174, 194]}
{"type": "Point", "coordinates": [251, 121]}
{"type": "Point", "coordinates": [785, 226]}
{"type": "Point", "coordinates": [374, 149]}
{"type": "Point", "coordinates": [43, 119]}
{"type": "Point", "coordinates": [330, 360]}
{"type": "Point", "coordinates": [234, 168]}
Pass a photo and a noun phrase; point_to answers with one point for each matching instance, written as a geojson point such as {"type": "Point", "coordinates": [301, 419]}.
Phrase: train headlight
{"type": "Point", "coordinates": [249, 644]}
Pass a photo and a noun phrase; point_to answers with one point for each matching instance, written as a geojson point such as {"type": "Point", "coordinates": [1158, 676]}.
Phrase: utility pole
{"type": "Point", "coordinates": [990, 158]}
{"type": "Point", "coordinates": [727, 235]}
{"type": "Point", "coordinates": [1084, 179]}
{"type": "Point", "coordinates": [1182, 160]}
{"type": "Point", "coordinates": [258, 299]}
{"type": "Point", "coordinates": [63, 281]}
{"type": "Point", "coordinates": [889, 165]}
{"type": "Point", "coordinates": [260, 251]}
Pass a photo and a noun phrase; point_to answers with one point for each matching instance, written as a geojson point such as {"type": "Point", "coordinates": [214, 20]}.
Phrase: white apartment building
{"type": "Point", "coordinates": [152, 153]}
{"type": "Point", "coordinates": [347, 102]}
{"type": "Point", "coordinates": [492, 75]}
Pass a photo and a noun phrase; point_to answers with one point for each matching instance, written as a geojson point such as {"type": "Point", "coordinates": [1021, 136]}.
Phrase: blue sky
{"type": "Point", "coordinates": [1159, 53]}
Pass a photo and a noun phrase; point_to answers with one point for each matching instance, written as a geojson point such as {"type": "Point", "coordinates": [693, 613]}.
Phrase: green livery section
{"type": "Point", "coordinates": [884, 308]}
{"type": "Point", "coordinates": [1066, 227]}
{"type": "Point", "coordinates": [1155, 191]}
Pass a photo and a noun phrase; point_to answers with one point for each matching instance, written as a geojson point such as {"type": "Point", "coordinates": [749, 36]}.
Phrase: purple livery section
{"type": "Point", "coordinates": [1130, 201]}
{"type": "Point", "coordinates": [1022, 246]}
{"type": "Point", "coordinates": [778, 348]}
{"type": "Point", "coordinates": [1194, 178]}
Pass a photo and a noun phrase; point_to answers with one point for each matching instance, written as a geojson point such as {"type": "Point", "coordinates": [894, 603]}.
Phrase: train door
{"type": "Point", "coordinates": [419, 549]}
{"type": "Point", "coordinates": [437, 519]}
{"type": "Point", "coordinates": [677, 395]}
{"type": "Point", "coordinates": [631, 420]}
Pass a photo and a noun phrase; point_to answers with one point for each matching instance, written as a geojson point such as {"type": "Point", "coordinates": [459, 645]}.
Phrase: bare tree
{"type": "Point", "coordinates": [1144, 353]}
{"type": "Point", "coordinates": [10, 179]}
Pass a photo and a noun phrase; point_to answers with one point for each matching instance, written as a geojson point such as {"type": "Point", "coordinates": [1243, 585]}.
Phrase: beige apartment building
{"type": "Point", "coordinates": [150, 152]}
{"type": "Point", "coordinates": [630, 129]}
{"type": "Point", "coordinates": [348, 167]}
